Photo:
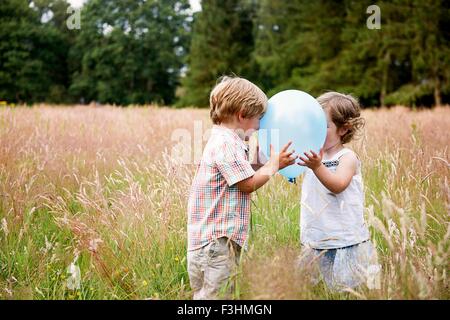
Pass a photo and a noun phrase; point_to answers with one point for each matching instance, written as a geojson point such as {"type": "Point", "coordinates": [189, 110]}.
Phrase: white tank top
{"type": "Point", "coordinates": [329, 220]}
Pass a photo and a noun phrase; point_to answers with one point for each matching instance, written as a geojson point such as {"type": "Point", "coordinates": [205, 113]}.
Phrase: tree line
{"type": "Point", "coordinates": [140, 52]}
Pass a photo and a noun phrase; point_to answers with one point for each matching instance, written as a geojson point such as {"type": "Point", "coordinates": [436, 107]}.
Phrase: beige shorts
{"type": "Point", "coordinates": [212, 269]}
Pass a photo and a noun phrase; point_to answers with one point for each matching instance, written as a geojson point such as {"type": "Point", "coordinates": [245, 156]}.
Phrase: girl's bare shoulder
{"type": "Point", "coordinates": [350, 158]}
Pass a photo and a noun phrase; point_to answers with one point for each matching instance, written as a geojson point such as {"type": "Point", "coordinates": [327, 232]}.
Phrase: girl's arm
{"type": "Point", "coordinates": [337, 181]}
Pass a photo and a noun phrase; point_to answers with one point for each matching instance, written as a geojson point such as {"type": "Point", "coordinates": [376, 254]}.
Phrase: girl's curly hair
{"type": "Point", "coordinates": [345, 112]}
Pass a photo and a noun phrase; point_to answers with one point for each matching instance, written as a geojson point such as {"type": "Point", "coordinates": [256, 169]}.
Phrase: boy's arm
{"type": "Point", "coordinates": [257, 166]}
{"type": "Point", "coordinates": [337, 181]}
{"type": "Point", "coordinates": [261, 176]}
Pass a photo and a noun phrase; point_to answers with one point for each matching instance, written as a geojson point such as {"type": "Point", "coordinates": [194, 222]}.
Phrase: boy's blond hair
{"type": "Point", "coordinates": [232, 95]}
{"type": "Point", "coordinates": [345, 112]}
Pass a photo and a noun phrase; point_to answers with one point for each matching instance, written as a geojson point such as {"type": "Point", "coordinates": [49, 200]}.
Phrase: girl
{"type": "Point", "coordinates": [333, 231]}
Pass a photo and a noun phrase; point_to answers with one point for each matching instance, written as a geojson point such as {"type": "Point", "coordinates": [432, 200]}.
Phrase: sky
{"type": "Point", "coordinates": [195, 4]}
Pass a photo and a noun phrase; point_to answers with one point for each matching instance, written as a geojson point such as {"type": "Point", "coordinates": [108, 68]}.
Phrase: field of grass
{"type": "Point", "coordinates": [97, 188]}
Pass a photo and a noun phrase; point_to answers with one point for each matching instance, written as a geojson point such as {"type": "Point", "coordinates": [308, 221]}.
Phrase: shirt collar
{"type": "Point", "coordinates": [231, 133]}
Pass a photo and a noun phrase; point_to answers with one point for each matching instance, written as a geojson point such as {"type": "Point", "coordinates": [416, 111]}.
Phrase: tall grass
{"type": "Point", "coordinates": [97, 188]}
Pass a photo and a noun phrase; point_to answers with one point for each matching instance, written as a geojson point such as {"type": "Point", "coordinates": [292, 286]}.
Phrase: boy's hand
{"type": "Point", "coordinates": [277, 161]}
{"type": "Point", "coordinates": [312, 160]}
{"type": "Point", "coordinates": [283, 159]}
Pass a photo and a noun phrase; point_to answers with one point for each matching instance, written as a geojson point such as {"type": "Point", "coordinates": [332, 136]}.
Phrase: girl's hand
{"type": "Point", "coordinates": [312, 160]}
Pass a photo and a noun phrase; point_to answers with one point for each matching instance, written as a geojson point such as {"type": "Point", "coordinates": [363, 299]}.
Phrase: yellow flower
{"type": "Point", "coordinates": [144, 283]}
{"type": "Point", "coordinates": [177, 259]}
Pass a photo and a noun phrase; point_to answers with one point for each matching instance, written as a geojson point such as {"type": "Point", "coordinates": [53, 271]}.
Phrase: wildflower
{"type": "Point", "coordinates": [373, 276]}
{"type": "Point", "coordinates": [5, 226]}
{"type": "Point", "coordinates": [73, 282]}
{"type": "Point", "coordinates": [93, 244]}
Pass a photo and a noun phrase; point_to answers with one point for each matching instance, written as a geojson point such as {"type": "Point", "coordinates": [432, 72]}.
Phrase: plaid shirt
{"type": "Point", "coordinates": [216, 206]}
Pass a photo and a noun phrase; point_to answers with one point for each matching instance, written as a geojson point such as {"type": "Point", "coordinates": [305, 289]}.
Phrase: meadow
{"type": "Point", "coordinates": [93, 192]}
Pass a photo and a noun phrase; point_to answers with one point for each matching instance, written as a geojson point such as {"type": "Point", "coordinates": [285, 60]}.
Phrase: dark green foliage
{"type": "Point", "coordinates": [325, 45]}
{"type": "Point", "coordinates": [125, 51]}
{"type": "Point", "coordinates": [222, 43]}
{"type": "Point", "coordinates": [129, 51]}
{"type": "Point", "coordinates": [32, 55]}
{"type": "Point", "coordinates": [138, 52]}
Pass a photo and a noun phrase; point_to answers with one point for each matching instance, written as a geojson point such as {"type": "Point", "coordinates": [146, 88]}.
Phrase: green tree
{"type": "Point", "coordinates": [221, 44]}
{"type": "Point", "coordinates": [297, 43]}
{"type": "Point", "coordinates": [405, 62]}
{"type": "Point", "coordinates": [325, 45]}
{"type": "Point", "coordinates": [32, 55]}
{"type": "Point", "coordinates": [430, 44]}
{"type": "Point", "coordinates": [129, 51]}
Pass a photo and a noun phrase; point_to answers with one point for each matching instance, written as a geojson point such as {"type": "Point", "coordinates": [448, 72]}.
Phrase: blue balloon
{"type": "Point", "coordinates": [292, 115]}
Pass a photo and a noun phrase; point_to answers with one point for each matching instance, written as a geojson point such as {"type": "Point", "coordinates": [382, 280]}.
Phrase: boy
{"type": "Point", "coordinates": [219, 201]}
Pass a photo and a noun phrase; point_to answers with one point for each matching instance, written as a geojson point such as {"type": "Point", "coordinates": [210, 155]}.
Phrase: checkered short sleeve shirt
{"type": "Point", "coordinates": [216, 207]}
